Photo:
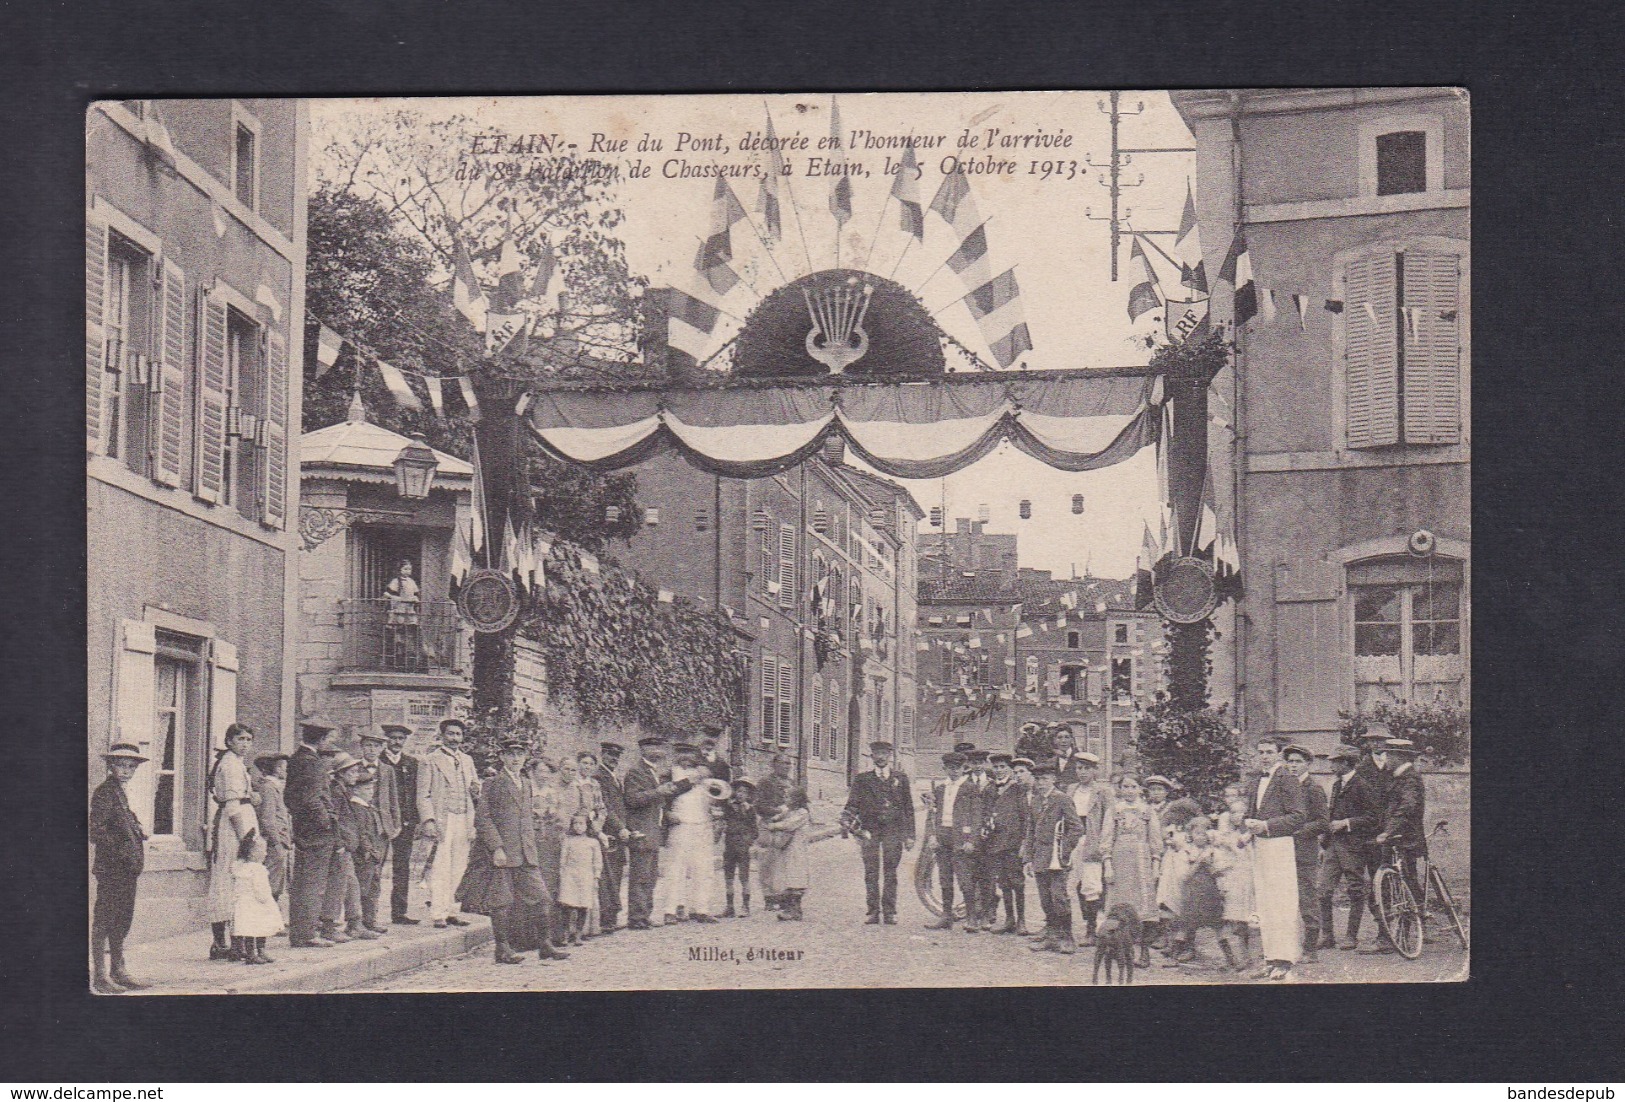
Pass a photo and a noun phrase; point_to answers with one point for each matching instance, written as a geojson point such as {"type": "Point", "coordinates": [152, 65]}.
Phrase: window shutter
{"type": "Point", "coordinates": [1307, 677]}
{"type": "Point", "coordinates": [211, 408]}
{"type": "Point", "coordinates": [818, 718]}
{"type": "Point", "coordinates": [133, 718]}
{"type": "Point", "coordinates": [95, 299]}
{"type": "Point", "coordinates": [787, 566]}
{"type": "Point", "coordinates": [1370, 353]}
{"type": "Point", "coordinates": [1096, 682]}
{"type": "Point", "coordinates": [770, 709]}
{"type": "Point", "coordinates": [787, 696]}
{"type": "Point", "coordinates": [1054, 681]}
{"type": "Point", "coordinates": [222, 690]}
{"type": "Point", "coordinates": [1432, 348]}
{"type": "Point", "coordinates": [274, 498]}
{"type": "Point", "coordinates": [170, 347]}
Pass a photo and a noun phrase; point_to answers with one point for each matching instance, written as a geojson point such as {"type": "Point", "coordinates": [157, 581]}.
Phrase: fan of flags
{"type": "Point", "coordinates": [993, 298]}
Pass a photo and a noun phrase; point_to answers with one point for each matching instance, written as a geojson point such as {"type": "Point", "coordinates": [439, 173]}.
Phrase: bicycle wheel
{"type": "Point", "coordinates": [1397, 910]}
{"type": "Point", "coordinates": [925, 885]}
{"type": "Point", "coordinates": [1436, 880]}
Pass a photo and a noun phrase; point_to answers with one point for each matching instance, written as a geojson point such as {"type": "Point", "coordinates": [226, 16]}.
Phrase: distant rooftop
{"type": "Point", "coordinates": [359, 448]}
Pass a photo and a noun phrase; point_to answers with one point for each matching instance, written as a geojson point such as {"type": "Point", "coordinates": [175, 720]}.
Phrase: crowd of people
{"type": "Point", "coordinates": [1258, 864]}
{"type": "Point", "coordinates": [543, 846]}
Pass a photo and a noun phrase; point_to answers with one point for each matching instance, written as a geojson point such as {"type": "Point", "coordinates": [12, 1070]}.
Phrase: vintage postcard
{"type": "Point", "coordinates": [687, 542]}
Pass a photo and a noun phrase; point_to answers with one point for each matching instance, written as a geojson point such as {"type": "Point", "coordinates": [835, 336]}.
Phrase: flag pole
{"type": "Point", "coordinates": [906, 245]}
{"type": "Point", "coordinates": [794, 206]}
{"type": "Point", "coordinates": [884, 204]}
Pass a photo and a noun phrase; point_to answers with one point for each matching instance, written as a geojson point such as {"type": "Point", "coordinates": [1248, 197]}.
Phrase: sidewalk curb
{"type": "Point", "coordinates": [331, 970]}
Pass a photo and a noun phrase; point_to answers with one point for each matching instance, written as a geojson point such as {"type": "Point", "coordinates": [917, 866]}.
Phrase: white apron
{"type": "Point", "coordinates": [1275, 890]}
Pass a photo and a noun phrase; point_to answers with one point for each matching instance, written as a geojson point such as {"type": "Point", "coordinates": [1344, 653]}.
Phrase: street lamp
{"type": "Point", "coordinates": [414, 469]}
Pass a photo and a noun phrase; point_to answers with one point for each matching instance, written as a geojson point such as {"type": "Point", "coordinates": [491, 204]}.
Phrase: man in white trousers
{"type": "Point", "coordinates": [447, 788]}
{"type": "Point", "coordinates": [688, 871]}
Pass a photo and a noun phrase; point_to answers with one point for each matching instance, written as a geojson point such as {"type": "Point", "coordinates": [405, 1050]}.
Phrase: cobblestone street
{"type": "Point", "coordinates": [833, 948]}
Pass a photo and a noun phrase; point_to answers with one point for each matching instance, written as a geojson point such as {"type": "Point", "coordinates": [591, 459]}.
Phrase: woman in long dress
{"type": "Point", "coordinates": [1133, 849]}
{"type": "Point", "coordinates": [234, 818]}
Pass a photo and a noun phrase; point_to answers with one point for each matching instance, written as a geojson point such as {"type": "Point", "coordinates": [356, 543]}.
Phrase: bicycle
{"type": "Point", "coordinates": [1399, 914]}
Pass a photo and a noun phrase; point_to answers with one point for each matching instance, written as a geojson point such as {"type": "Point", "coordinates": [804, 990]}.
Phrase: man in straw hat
{"type": "Point", "coordinates": [120, 855]}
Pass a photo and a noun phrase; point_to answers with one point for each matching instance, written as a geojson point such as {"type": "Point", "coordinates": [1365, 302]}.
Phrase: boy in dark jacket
{"type": "Point", "coordinates": [120, 856]}
{"type": "Point", "coordinates": [740, 824]}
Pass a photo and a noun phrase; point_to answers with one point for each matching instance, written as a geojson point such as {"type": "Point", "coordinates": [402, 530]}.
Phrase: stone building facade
{"type": "Point", "coordinates": [1346, 473]}
{"type": "Point", "coordinates": [194, 297]}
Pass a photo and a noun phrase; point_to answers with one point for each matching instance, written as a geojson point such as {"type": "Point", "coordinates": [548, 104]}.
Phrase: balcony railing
{"type": "Point", "coordinates": [400, 636]}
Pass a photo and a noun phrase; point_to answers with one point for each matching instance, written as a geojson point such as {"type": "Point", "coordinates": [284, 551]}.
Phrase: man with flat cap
{"type": "Point", "coordinates": [881, 806]}
{"type": "Point", "coordinates": [1353, 820]}
{"type": "Point", "coordinates": [951, 822]}
{"type": "Point", "coordinates": [504, 870]}
{"type": "Point", "coordinates": [1404, 811]}
{"type": "Point", "coordinates": [386, 801]}
{"type": "Point", "coordinates": [1094, 805]}
{"type": "Point", "coordinates": [615, 835]}
{"type": "Point", "coordinates": [308, 795]}
{"type": "Point", "coordinates": [646, 794]}
{"type": "Point", "coordinates": [1004, 829]}
{"type": "Point", "coordinates": [1306, 840]}
{"type": "Point", "coordinates": [448, 786]}
{"type": "Point", "coordinates": [1033, 742]}
{"type": "Point", "coordinates": [406, 769]}
{"type": "Point", "coordinates": [120, 856]}
{"type": "Point", "coordinates": [1052, 835]}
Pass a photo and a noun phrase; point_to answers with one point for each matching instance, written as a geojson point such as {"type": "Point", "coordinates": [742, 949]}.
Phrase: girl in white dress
{"type": "Point", "coordinates": [256, 915]}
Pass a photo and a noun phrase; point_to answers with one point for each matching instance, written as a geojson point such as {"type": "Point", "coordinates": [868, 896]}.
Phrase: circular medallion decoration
{"type": "Point", "coordinates": [1185, 593]}
{"type": "Point", "coordinates": [489, 600]}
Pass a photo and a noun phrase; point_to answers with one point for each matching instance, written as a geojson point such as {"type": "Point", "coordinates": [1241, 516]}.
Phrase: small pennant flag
{"type": "Point", "coordinates": [546, 262]}
{"type": "Point", "coordinates": [690, 323]}
{"type": "Point", "coordinates": [158, 139]}
{"type": "Point", "coordinates": [267, 298]}
{"type": "Point", "coordinates": [1238, 272]}
{"type": "Point", "coordinates": [398, 386]}
{"type": "Point", "coordinates": [1143, 296]}
{"type": "Point", "coordinates": [1188, 247]}
{"type": "Point", "coordinates": [436, 401]}
{"type": "Point", "coordinates": [510, 548]}
{"type": "Point", "coordinates": [328, 346]}
{"type": "Point", "coordinates": [218, 214]}
{"type": "Point", "coordinates": [466, 385]}
{"type": "Point", "coordinates": [767, 195]}
{"type": "Point", "coordinates": [1266, 303]}
{"type": "Point", "coordinates": [1302, 303]}
{"type": "Point", "coordinates": [1024, 632]}
{"type": "Point", "coordinates": [462, 560]}
{"type": "Point", "coordinates": [840, 195]}
{"type": "Point", "coordinates": [665, 596]}
{"type": "Point", "coordinates": [906, 190]}
{"type": "Point", "coordinates": [589, 562]}
{"type": "Point", "coordinates": [1370, 312]}
{"type": "Point", "coordinates": [466, 293]}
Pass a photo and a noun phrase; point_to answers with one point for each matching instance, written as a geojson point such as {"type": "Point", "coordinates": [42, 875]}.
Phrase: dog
{"type": "Point", "coordinates": [1117, 942]}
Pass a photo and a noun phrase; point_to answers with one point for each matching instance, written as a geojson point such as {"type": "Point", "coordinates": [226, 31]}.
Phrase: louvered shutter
{"type": "Point", "coordinates": [1370, 352]}
{"type": "Point", "coordinates": [1432, 348]}
{"type": "Point", "coordinates": [210, 468]}
{"type": "Point", "coordinates": [170, 446]}
{"type": "Point", "coordinates": [135, 711]}
{"type": "Point", "coordinates": [787, 566]}
{"type": "Point", "coordinates": [1054, 688]}
{"type": "Point", "coordinates": [787, 696]}
{"type": "Point", "coordinates": [818, 718]}
{"type": "Point", "coordinates": [770, 689]}
{"type": "Point", "coordinates": [273, 499]}
{"type": "Point", "coordinates": [95, 300]}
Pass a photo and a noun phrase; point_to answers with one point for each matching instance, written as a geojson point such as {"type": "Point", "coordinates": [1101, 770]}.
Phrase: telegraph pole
{"type": "Point", "coordinates": [1111, 178]}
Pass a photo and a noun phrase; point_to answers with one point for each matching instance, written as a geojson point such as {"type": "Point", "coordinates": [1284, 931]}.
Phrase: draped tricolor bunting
{"type": "Point", "coordinates": [1073, 421]}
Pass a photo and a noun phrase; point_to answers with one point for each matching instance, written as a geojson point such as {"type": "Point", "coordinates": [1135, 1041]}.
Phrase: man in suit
{"type": "Point", "coordinates": [1275, 811]}
{"type": "Point", "coordinates": [709, 757]}
{"type": "Point", "coordinates": [616, 833]}
{"type": "Point", "coordinates": [1093, 802]}
{"type": "Point", "coordinates": [949, 825]}
{"type": "Point", "coordinates": [120, 856]}
{"type": "Point", "coordinates": [448, 786]}
{"type": "Point", "coordinates": [1404, 811]}
{"type": "Point", "coordinates": [1064, 745]}
{"type": "Point", "coordinates": [646, 795]}
{"type": "Point", "coordinates": [981, 887]}
{"type": "Point", "coordinates": [405, 767]}
{"type": "Point", "coordinates": [1306, 845]}
{"type": "Point", "coordinates": [881, 802]}
{"type": "Point", "coordinates": [386, 800]}
{"type": "Point", "coordinates": [309, 798]}
{"type": "Point", "coordinates": [504, 824]}
{"type": "Point", "coordinates": [1004, 829]}
{"type": "Point", "coordinates": [1353, 821]}
{"type": "Point", "coordinates": [1046, 853]}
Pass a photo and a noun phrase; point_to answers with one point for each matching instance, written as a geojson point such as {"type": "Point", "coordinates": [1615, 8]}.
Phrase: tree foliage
{"type": "Point", "coordinates": [1196, 746]}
